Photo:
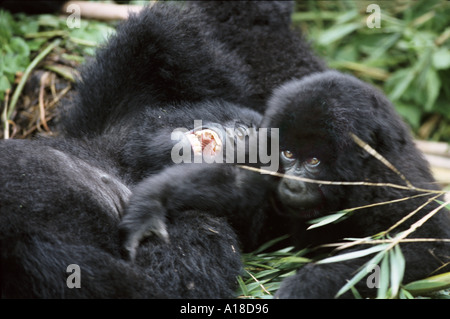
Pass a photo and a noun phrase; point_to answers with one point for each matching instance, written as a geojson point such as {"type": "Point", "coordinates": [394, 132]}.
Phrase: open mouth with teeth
{"type": "Point", "coordinates": [205, 142]}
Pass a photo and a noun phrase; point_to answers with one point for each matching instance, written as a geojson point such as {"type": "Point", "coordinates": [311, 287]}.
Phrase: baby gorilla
{"type": "Point", "coordinates": [321, 120]}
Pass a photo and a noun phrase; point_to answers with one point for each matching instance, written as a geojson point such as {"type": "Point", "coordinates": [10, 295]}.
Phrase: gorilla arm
{"type": "Point", "coordinates": [222, 190]}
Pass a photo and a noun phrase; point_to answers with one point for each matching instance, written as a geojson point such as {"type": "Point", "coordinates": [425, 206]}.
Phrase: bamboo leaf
{"type": "Point", "coordinates": [397, 269]}
{"type": "Point", "coordinates": [387, 43]}
{"type": "Point", "coordinates": [404, 294]}
{"type": "Point", "coordinates": [441, 203]}
{"type": "Point", "coordinates": [242, 285]}
{"type": "Point", "coordinates": [403, 84]}
{"type": "Point", "coordinates": [429, 284]}
{"type": "Point", "coordinates": [318, 222]}
{"type": "Point", "coordinates": [433, 85]}
{"type": "Point", "coordinates": [256, 264]}
{"type": "Point", "coordinates": [354, 254]}
{"type": "Point", "coordinates": [361, 274]}
{"type": "Point", "coordinates": [295, 259]}
{"type": "Point", "coordinates": [384, 278]}
{"type": "Point", "coordinates": [264, 273]}
{"type": "Point", "coordinates": [441, 59]}
{"type": "Point", "coordinates": [337, 32]}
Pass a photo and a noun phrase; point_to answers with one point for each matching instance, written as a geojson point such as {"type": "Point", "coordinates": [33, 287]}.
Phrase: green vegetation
{"type": "Point", "coordinates": [23, 37]}
{"type": "Point", "coordinates": [30, 45]}
{"type": "Point", "coordinates": [408, 57]}
{"type": "Point", "coordinates": [264, 271]}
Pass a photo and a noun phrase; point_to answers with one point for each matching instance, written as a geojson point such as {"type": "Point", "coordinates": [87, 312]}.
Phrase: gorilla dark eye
{"type": "Point", "coordinates": [313, 162]}
{"type": "Point", "coordinates": [288, 155]}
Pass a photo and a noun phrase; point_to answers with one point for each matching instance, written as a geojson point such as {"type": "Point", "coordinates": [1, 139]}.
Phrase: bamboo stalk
{"type": "Point", "coordinates": [103, 11]}
{"type": "Point", "coordinates": [434, 148]}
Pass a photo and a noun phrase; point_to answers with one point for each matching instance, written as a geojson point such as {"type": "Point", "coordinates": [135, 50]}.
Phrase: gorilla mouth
{"type": "Point", "coordinates": [295, 212]}
{"type": "Point", "coordinates": [205, 142]}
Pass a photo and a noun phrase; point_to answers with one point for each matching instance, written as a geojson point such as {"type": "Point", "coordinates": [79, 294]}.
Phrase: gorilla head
{"type": "Point", "coordinates": [317, 117]}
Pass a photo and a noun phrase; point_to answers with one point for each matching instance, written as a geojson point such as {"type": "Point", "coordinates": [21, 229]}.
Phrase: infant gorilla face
{"type": "Point", "coordinates": [316, 116]}
{"type": "Point", "coordinates": [297, 195]}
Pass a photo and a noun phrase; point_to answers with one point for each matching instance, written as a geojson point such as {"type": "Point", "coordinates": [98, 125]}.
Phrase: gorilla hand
{"type": "Point", "coordinates": [145, 215]}
{"type": "Point", "coordinates": [211, 188]}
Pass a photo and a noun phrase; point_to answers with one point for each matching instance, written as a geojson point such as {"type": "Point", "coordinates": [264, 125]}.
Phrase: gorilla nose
{"type": "Point", "coordinates": [294, 193]}
{"type": "Point", "coordinates": [294, 186]}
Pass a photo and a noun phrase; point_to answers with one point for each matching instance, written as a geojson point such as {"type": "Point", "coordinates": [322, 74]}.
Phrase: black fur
{"type": "Point", "coordinates": [61, 202]}
{"type": "Point", "coordinates": [316, 116]}
{"type": "Point", "coordinates": [261, 34]}
{"type": "Point", "coordinates": [179, 66]}
{"type": "Point", "coordinates": [32, 7]}
{"type": "Point", "coordinates": [159, 59]}
{"type": "Point", "coordinates": [62, 198]}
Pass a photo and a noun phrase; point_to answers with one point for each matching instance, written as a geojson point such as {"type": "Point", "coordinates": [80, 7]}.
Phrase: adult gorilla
{"type": "Point", "coordinates": [61, 199]}
{"type": "Point", "coordinates": [261, 34]}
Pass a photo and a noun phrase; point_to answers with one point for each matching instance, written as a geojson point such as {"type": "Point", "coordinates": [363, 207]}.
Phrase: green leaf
{"type": "Point", "coordinates": [242, 285]}
{"type": "Point", "coordinates": [383, 46]}
{"type": "Point", "coordinates": [442, 203]}
{"type": "Point", "coordinates": [347, 16]}
{"type": "Point", "coordinates": [405, 78]}
{"type": "Point", "coordinates": [62, 70]}
{"type": "Point", "coordinates": [441, 59]}
{"type": "Point", "coordinates": [4, 83]}
{"type": "Point", "coordinates": [49, 20]}
{"type": "Point", "coordinates": [19, 47]}
{"type": "Point", "coordinates": [327, 219]}
{"type": "Point", "coordinates": [353, 254]}
{"type": "Point", "coordinates": [355, 293]}
{"type": "Point", "coordinates": [411, 113]}
{"type": "Point", "coordinates": [5, 26]}
{"type": "Point", "coordinates": [433, 83]}
{"type": "Point", "coordinates": [362, 273]}
{"type": "Point", "coordinates": [28, 26]}
{"type": "Point", "coordinates": [258, 265]}
{"type": "Point", "coordinates": [428, 285]}
{"type": "Point", "coordinates": [264, 273]}
{"type": "Point", "coordinates": [336, 33]}
{"type": "Point", "coordinates": [35, 44]}
{"type": "Point", "coordinates": [397, 269]}
{"type": "Point", "coordinates": [404, 294]}
{"type": "Point", "coordinates": [384, 278]}
{"type": "Point", "coordinates": [295, 259]}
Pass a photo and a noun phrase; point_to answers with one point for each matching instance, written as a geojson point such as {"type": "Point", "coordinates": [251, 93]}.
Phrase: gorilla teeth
{"type": "Point", "coordinates": [205, 140]}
